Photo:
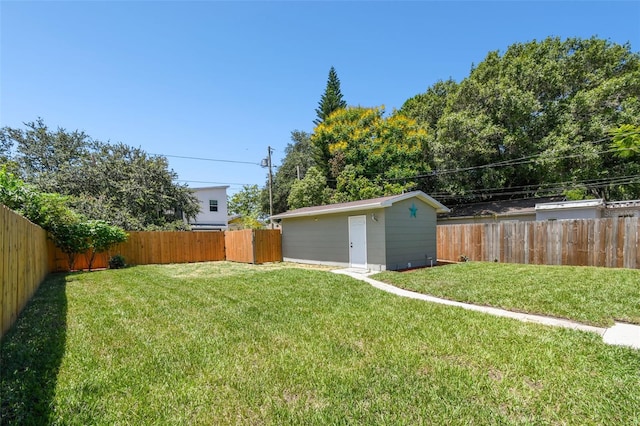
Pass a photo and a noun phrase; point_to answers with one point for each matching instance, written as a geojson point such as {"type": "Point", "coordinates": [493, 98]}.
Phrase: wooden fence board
{"type": "Point", "coordinates": [268, 245]}
{"type": "Point", "coordinates": [239, 246]}
{"type": "Point", "coordinates": [610, 242]}
{"type": "Point", "coordinates": [23, 264]}
{"type": "Point", "coordinates": [156, 247]}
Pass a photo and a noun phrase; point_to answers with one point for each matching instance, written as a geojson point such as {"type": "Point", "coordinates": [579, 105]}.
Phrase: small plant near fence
{"type": "Point", "coordinates": [116, 262]}
{"type": "Point", "coordinates": [102, 237]}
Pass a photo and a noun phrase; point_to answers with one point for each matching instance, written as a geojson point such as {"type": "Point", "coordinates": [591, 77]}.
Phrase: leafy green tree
{"type": "Point", "coordinates": [113, 182]}
{"type": "Point", "coordinates": [540, 112]}
{"type": "Point", "coordinates": [298, 159]}
{"type": "Point", "coordinates": [371, 154]}
{"type": "Point", "coordinates": [626, 141]}
{"type": "Point", "coordinates": [101, 237]}
{"type": "Point", "coordinates": [247, 204]}
{"type": "Point", "coordinates": [142, 186]}
{"type": "Point", "coordinates": [50, 159]}
{"type": "Point", "coordinates": [48, 210]}
{"type": "Point", "coordinates": [427, 108]}
{"type": "Point", "coordinates": [310, 191]}
{"type": "Point", "coordinates": [72, 238]}
{"type": "Point", "coordinates": [69, 231]}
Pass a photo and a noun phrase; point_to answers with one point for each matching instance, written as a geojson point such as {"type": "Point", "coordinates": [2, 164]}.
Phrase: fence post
{"type": "Point", "coordinates": [253, 246]}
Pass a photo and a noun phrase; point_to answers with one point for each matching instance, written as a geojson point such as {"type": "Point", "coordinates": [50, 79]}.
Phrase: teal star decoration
{"type": "Point", "coordinates": [413, 210]}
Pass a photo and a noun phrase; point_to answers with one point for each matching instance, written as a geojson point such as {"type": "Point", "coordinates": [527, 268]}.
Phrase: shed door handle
{"type": "Point", "coordinates": [351, 245]}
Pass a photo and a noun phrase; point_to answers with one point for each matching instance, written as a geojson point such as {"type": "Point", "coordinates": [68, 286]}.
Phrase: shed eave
{"type": "Point", "coordinates": [332, 209]}
{"type": "Point", "coordinates": [329, 211]}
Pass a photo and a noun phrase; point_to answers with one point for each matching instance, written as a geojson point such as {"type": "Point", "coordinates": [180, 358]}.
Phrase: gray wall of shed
{"type": "Point", "coordinates": [410, 240]}
{"type": "Point", "coordinates": [324, 239]}
{"type": "Point", "coordinates": [376, 243]}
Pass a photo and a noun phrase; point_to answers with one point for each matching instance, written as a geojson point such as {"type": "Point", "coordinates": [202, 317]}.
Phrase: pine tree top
{"type": "Point", "coordinates": [331, 100]}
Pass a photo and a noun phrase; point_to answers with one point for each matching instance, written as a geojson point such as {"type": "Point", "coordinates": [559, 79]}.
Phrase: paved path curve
{"type": "Point", "coordinates": [619, 334]}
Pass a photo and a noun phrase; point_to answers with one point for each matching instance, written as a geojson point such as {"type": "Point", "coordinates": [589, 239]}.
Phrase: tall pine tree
{"type": "Point", "coordinates": [330, 101]}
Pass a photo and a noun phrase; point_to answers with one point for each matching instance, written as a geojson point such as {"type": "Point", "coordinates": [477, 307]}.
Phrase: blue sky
{"type": "Point", "coordinates": [224, 80]}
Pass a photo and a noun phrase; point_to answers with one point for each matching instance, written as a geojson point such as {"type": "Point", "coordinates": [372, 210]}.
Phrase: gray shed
{"type": "Point", "coordinates": [386, 233]}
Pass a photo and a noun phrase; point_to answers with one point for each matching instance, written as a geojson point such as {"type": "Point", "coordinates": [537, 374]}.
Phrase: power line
{"type": "Point", "coordinates": [206, 159]}
{"type": "Point", "coordinates": [549, 185]}
{"type": "Point", "coordinates": [549, 189]}
{"type": "Point", "coordinates": [216, 183]}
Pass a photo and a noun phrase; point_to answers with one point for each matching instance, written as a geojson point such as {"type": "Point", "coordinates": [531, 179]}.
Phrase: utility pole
{"type": "Point", "coordinates": [270, 186]}
{"type": "Point", "coordinates": [267, 163]}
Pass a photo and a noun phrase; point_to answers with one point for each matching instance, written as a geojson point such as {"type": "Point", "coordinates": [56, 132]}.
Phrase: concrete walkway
{"type": "Point", "coordinates": [619, 334]}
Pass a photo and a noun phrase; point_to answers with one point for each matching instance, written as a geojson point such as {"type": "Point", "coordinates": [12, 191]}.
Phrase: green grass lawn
{"type": "Point", "coordinates": [595, 296]}
{"type": "Point", "coordinates": [221, 343]}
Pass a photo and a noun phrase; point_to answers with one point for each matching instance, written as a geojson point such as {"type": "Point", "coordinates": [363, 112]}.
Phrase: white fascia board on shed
{"type": "Point", "coordinates": [376, 203]}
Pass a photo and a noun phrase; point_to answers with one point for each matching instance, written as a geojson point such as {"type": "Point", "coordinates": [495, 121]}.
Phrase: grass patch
{"type": "Point", "coordinates": [240, 344]}
{"type": "Point", "coordinates": [597, 296]}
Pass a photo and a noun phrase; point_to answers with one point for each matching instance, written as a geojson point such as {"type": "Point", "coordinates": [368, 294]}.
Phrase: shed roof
{"type": "Point", "coordinates": [372, 203]}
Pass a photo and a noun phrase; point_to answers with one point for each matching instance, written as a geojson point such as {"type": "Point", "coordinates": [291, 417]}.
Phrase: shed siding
{"type": "Point", "coordinates": [376, 247]}
{"type": "Point", "coordinates": [323, 240]}
{"type": "Point", "coordinates": [410, 239]}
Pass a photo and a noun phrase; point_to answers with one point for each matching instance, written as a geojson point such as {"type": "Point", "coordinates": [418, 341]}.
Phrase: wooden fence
{"type": "Point", "coordinates": [610, 242]}
{"type": "Point", "coordinates": [23, 264]}
{"type": "Point", "coordinates": [254, 246]}
{"type": "Point", "coordinates": [158, 247]}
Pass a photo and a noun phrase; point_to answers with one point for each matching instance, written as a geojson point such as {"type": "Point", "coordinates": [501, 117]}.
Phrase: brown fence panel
{"type": "Point", "coordinates": [151, 247]}
{"type": "Point", "coordinates": [254, 246]}
{"type": "Point", "coordinates": [268, 245]}
{"type": "Point", "coordinates": [610, 242]}
{"type": "Point", "coordinates": [160, 247]}
{"type": "Point", "coordinates": [239, 246]}
{"type": "Point", "coordinates": [23, 264]}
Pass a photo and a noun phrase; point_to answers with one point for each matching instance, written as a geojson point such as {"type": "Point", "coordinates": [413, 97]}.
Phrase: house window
{"type": "Point", "coordinates": [213, 205]}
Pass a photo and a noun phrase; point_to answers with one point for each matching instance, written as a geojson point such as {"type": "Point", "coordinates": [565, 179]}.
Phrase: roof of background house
{"type": "Point", "coordinates": [210, 187]}
{"type": "Point", "coordinates": [518, 207]}
{"type": "Point", "coordinates": [234, 217]}
{"type": "Point", "coordinates": [578, 204]}
{"type": "Point", "coordinates": [372, 203]}
{"type": "Point", "coordinates": [622, 204]}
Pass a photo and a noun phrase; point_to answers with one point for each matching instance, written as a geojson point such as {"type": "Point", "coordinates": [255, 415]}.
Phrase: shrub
{"type": "Point", "coordinates": [103, 236]}
{"type": "Point", "coordinates": [72, 238]}
{"type": "Point", "coordinates": [116, 262]}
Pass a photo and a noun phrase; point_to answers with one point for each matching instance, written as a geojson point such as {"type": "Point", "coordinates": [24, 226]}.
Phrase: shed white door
{"type": "Point", "coordinates": [358, 241]}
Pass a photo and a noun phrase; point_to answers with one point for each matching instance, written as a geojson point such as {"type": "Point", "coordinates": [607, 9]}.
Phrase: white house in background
{"type": "Point", "coordinates": [563, 210]}
{"type": "Point", "coordinates": [587, 209]}
{"type": "Point", "coordinates": [519, 210]}
{"type": "Point", "coordinates": [213, 209]}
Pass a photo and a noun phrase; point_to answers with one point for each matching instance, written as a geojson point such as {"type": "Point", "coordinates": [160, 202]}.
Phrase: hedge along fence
{"type": "Point", "coordinates": [24, 263]}
{"type": "Point", "coordinates": [610, 242]}
{"type": "Point", "coordinates": [159, 247]}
